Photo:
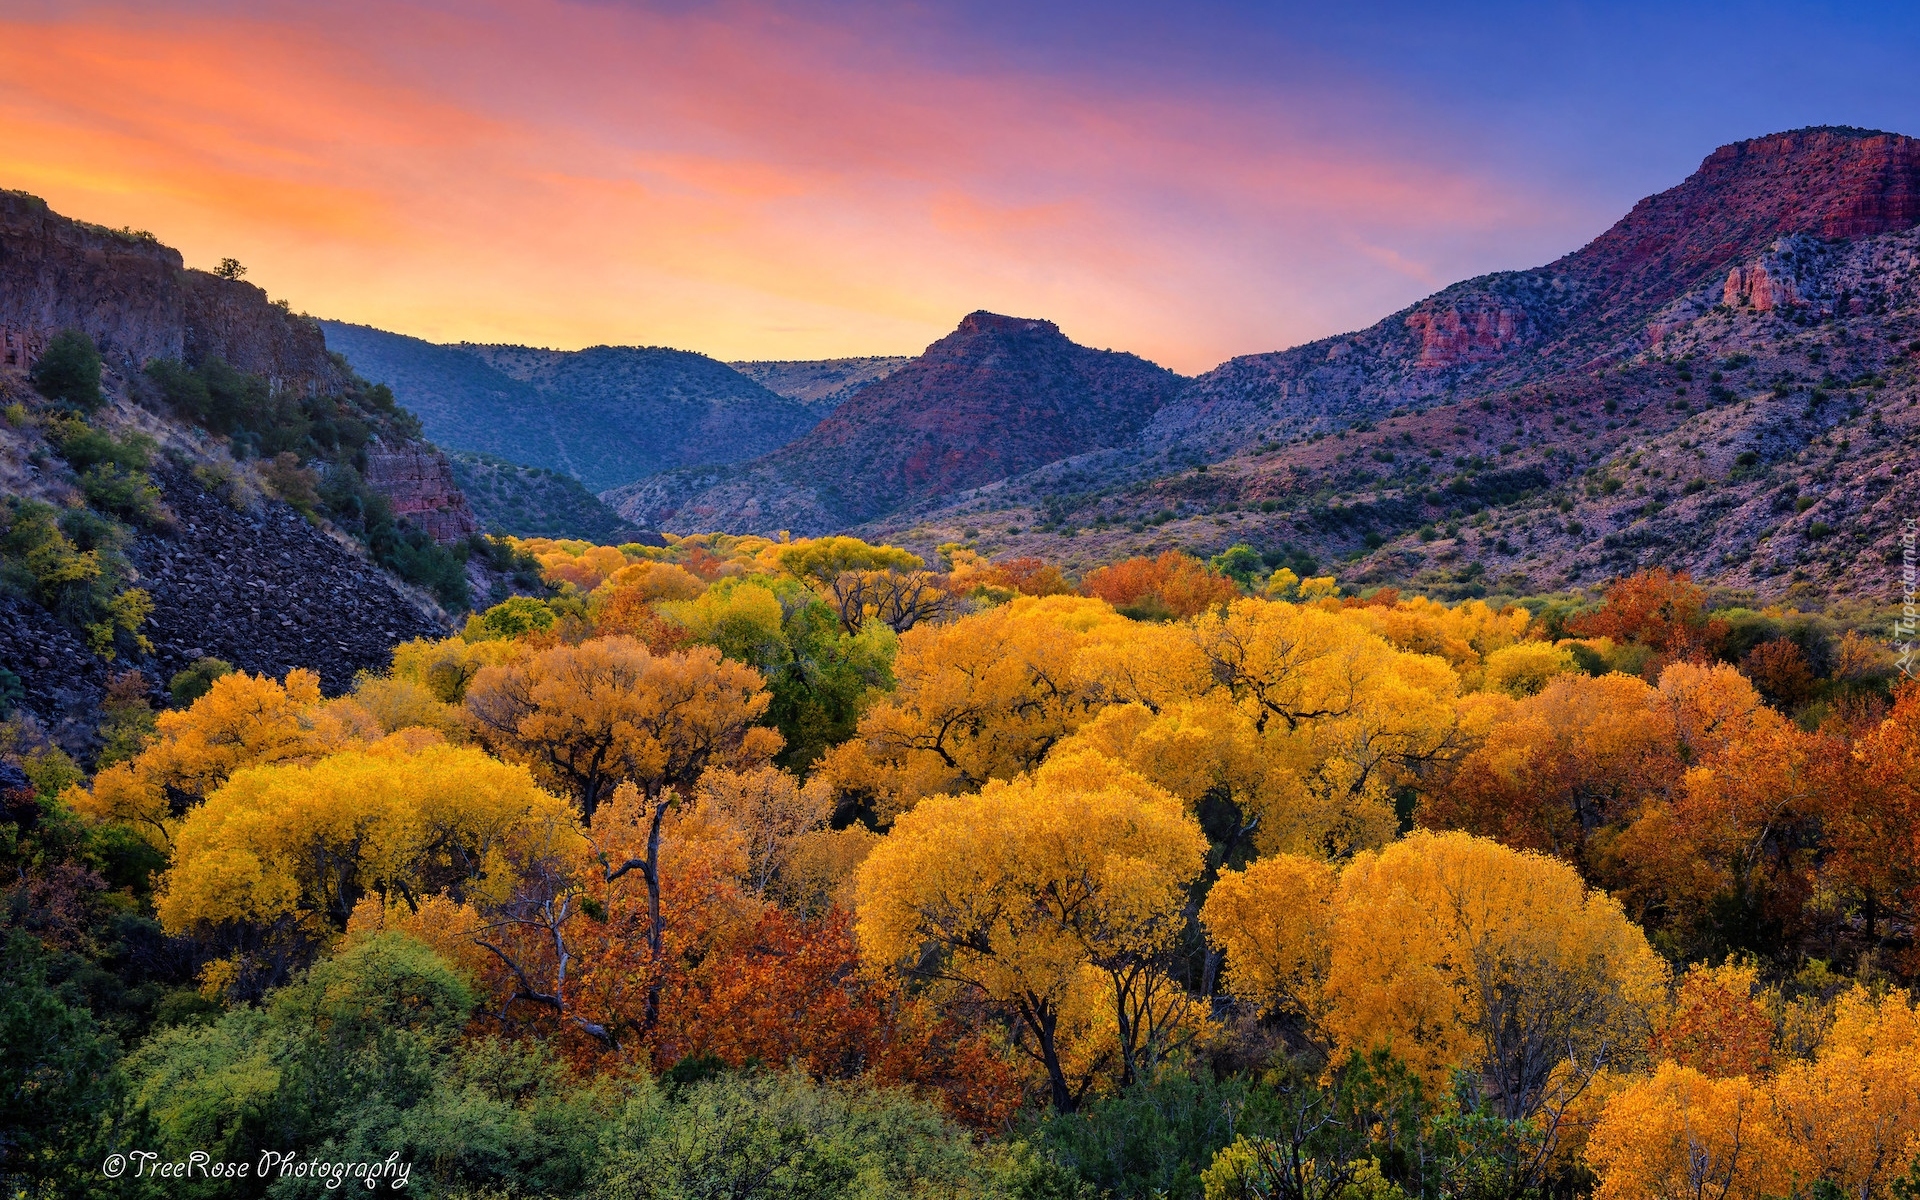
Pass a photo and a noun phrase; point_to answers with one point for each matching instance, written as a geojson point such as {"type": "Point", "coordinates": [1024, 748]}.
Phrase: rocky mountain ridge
{"type": "Point", "coordinates": [1750, 422]}
{"type": "Point", "coordinates": [998, 396]}
{"type": "Point", "coordinates": [822, 382]}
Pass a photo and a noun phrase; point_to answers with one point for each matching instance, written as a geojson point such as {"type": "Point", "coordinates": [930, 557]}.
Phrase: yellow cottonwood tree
{"type": "Point", "coordinates": [1465, 634]}
{"type": "Point", "coordinates": [1275, 922]}
{"type": "Point", "coordinates": [1849, 1115]}
{"type": "Point", "coordinates": [1683, 1133]}
{"type": "Point", "coordinates": [866, 582]}
{"type": "Point", "coordinates": [1343, 717]}
{"type": "Point", "coordinates": [242, 720]}
{"type": "Point", "coordinates": [1015, 893]}
{"type": "Point", "coordinates": [1459, 951]}
{"type": "Point", "coordinates": [1523, 668]}
{"type": "Point", "coordinates": [982, 698]}
{"type": "Point", "coordinates": [587, 717]}
{"type": "Point", "coordinates": [290, 848]}
{"type": "Point", "coordinates": [1456, 952]}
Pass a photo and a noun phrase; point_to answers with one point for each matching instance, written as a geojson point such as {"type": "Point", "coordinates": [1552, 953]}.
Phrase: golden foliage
{"type": "Point", "coordinates": [299, 844]}
{"type": "Point", "coordinates": [1446, 946]}
{"type": "Point", "coordinates": [242, 720]}
{"type": "Point", "coordinates": [1465, 635]}
{"type": "Point", "coordinates": [1015, 892]}
{"type": "Point", "coordinates": [587, 717]}
{"type": "Point", "coordinates": [1344, 717]}
{"type": "Point", "coordinates": [772, 812]}
{"type": "Point", "coordinates": [1451, 950]}
{"type": "Point", "coordinates": [982, 698]}
{"type": "Point", "coordinates": [1275, 922]}
{"type": "Point", "coordinates": [1849, 1116]}
{"type": "Point", "coordinates": [1524, 668]}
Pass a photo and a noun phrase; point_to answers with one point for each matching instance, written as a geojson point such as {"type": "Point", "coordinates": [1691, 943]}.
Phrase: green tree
{"type": "Point", "coordinates": [56, 1077]}
{"type": "Point", "coordinates": [197, 680]}
{"type": "Point", "coordinates": [69, 371]}
{"type": "Point", "coordinates": [1240, 563]}
{"type": "Point", "coordinates": [361, 1058]}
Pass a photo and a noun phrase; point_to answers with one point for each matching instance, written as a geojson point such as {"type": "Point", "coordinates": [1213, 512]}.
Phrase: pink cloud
{"type": "Point", "coordinates": [731, 180]}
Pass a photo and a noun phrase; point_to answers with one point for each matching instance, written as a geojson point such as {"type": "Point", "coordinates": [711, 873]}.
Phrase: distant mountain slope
{"type": "Point", "coordinates": [1725, 382]}
{"type": "Point", "coordinates": [606, 415]}
{"type": "Point", "coordinates": [538, 502]}
{"type": "Point", "coordinates": [1592, 306]}
{"type": "Point", "coordinates": [824, 382]}
{"type": "Point", "coordinates": [998, 396]}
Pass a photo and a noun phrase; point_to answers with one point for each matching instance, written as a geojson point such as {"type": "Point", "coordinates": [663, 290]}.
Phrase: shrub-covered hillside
{"type": "Point", "coordinates": [535, 502]}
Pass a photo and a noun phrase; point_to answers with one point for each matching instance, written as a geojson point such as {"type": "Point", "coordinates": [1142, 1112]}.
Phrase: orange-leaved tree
{"type": "Point", "coordinates": [1169, 585]}
{"type": "Point", "coordinates": [1664, 611]}
{"type": "Point", "coordinates": [1869, 808]}
{"type": "Point", "coordinates": [608, 712]}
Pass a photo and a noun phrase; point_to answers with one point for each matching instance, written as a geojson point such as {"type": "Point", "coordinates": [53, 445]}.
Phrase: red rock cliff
{"type": "Point", "coordinates": [418, 481]}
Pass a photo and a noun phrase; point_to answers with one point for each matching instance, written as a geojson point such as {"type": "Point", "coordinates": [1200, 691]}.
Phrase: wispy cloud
{"type": "Point", "coordinates": [734, 179]}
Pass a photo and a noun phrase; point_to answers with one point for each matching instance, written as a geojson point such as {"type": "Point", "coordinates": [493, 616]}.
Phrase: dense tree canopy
{"type": "Point", "coordinates": [761, 864]}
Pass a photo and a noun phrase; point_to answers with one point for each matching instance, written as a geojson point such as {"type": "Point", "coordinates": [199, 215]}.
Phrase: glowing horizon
{"type": "Point", "coordinates": [754, 180]}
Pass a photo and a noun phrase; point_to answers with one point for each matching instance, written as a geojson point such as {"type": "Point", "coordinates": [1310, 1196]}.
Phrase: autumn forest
{"type": "Point", "coordinates": [808, 867]}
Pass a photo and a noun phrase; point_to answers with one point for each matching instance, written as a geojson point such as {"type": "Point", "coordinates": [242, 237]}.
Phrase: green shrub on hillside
{"type": "Point", "coordinates": [129, 495]}
{"type": "Point", "coordinates": [72, 563]}
{"type": "Point", "coordinates": [84, 446]}
{"type": "Point", "coordinates": [197, 680]}
{"type": "Point", "coordinates": [69, 372]}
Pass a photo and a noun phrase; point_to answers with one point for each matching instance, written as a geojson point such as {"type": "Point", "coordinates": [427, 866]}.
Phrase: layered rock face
{"type": "Point", "coordinates": [1602, 302]}
{"type": "Point", "coordinates": [138, 301]}
{"type": "Point", "coordinates": [124, 290]}
{"type": "Point", "coordinates": [418, 482]}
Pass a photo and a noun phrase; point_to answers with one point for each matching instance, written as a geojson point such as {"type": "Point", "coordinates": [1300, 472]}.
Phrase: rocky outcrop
{"type": "Point", "coordinates": [233, 320]}
{"type": "Point", "coordinates": [417, 481]}
{"type": "Point", "coordinates": [1753, 287]}
{"type": "Point", "coordinates": [123, 288]}
{"type": "Point", "coordinates": [1470, 331]}
{"type": "Point", "coordinates": [138, 301]}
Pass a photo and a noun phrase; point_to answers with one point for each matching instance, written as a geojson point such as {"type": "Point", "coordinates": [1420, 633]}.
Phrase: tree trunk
{"type": "Point", "coordinates": [656, 928]}
{"type": "Point", "coordinates": [1043, 1020]}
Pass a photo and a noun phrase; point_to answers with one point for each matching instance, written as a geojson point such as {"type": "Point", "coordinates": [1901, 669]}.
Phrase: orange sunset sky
{"type": "Point", "coordinates": [765, 181]}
